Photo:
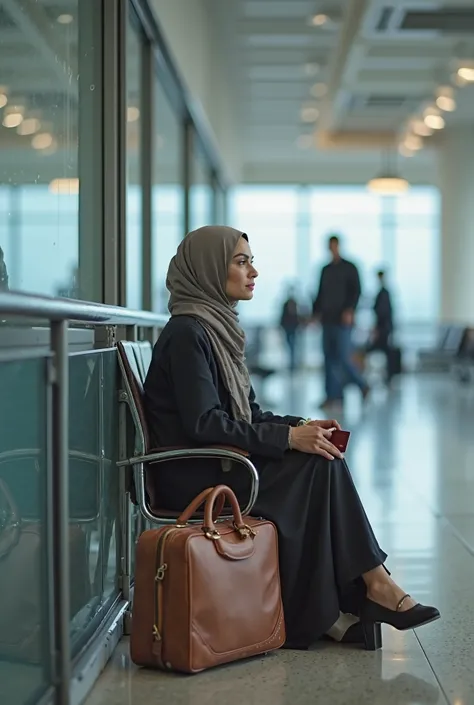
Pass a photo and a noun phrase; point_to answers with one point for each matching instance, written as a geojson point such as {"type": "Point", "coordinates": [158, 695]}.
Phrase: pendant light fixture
{"type": "Point", "coordinates": [388, 182]}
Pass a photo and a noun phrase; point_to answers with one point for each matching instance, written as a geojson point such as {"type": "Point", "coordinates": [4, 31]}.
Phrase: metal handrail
{"type": "Point", "coordinates": [17, 304]}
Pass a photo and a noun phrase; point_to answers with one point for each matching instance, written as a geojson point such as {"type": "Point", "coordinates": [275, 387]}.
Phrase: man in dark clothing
{"type": "Point", "coordinates": [381, 336]}
{"type": "Point", "coordinates": [334, 306]}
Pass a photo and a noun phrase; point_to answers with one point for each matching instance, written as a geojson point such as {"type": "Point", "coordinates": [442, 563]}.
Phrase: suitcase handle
{"type": "Point", "coordinates": [219, 494]}
{"type": "Point", "coordinates": [196, 503]}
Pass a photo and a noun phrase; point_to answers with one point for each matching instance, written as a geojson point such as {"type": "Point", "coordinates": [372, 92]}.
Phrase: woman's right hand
{"type": "Point", "coordinates": [314, 439]}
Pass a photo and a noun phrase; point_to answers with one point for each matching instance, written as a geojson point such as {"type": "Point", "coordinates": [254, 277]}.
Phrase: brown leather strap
{"type": "Point", "coordinates": [196, 503]}
{"type": "Point", "coordinates": [209, 512]}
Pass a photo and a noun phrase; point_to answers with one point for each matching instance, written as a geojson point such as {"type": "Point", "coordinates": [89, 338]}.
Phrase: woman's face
{"type": "Point", "coordinates": [241, 274]}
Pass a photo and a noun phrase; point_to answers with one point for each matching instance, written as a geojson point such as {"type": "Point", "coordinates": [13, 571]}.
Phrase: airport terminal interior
{"type": "Point", "coordinates": [124, 125]}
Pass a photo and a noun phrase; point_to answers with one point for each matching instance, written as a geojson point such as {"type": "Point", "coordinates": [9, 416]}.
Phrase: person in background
{"type": "Point", "coordinates": [290, 321]}
{"type": "Point", "coordinates": [334, 306]}
{"type": "Point", "coordinates": [383, 329]}
{"type": "Point", "coordinates": [3, 273]}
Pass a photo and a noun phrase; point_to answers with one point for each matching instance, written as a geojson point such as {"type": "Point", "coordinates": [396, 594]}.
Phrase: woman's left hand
{"type": "Point", "coordinates": [326, 423]}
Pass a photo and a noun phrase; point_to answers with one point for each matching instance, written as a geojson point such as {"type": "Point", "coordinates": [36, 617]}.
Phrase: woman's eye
{"type": "Point", "coordinates": [243, 261]}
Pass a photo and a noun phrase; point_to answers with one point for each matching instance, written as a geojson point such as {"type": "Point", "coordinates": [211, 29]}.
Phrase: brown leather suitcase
{"type": "Point", "coordinates": [206, 594]}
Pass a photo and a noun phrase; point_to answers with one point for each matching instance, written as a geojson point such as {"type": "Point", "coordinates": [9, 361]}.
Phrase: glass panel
{"type": "Point", "coordinates": [93, 500]}
{"type": "Point", "coordinates": [201, 192]}
{"type": "Point", "coordinates": [134, 186]}
{"type": "Point", "coordinates": [168, 194]}
{"type": "Point", "coordinates": [110, 493]}
{"type": "Point", "coordinates": [24, 615]}
{"type": "Point", "coordinates": [268, 215]}
{"type": "Point", "coordinates": [40, 88]}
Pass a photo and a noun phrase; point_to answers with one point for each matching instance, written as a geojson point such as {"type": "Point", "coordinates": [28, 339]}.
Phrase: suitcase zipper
{"type": "Point", "coordinates": [161, 568]}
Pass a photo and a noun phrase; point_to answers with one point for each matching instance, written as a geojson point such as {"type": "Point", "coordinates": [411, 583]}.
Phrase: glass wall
{"type": "Point", "coordinates": [168, 193]}
{"type": "Point", "coordinates": [134, 233]}
{"type": "Point", "coordinates": [25, 668]}
{"type": "Point", "coordinates": [289, 226]}
{"type": "Point", "coordinates": [93, 491]}
{"type": "Point", "coordinates": [44, 62]}
{"type": "Point", "coordinates": [201, 196]}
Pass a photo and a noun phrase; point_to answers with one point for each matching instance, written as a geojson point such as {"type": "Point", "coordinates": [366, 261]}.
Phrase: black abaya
{"type": "Point", "coordinates": [325, 539]}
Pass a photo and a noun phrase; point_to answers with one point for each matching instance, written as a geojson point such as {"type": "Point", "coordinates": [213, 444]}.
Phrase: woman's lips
{"type": "Point", "coordinates": [251, 286]}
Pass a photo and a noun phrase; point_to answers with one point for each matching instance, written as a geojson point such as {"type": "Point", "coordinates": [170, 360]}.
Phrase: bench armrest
{"type": "Point", "coordinates": [164, 455]}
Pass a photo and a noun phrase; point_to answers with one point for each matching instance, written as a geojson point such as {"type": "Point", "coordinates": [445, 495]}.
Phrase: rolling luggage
{"type": "Point", "coordinates": [206, 594]}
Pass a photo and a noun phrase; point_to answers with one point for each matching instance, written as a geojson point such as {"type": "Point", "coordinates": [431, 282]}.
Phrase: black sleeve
{"type": "Point", "coordinates": [353, 289]}
{"type": "Point", "coordinates": [259, 416]}
{"type": "Point", "coordinates": [317, 300]}
{"type": "Point", "coordinates": [204, 421]}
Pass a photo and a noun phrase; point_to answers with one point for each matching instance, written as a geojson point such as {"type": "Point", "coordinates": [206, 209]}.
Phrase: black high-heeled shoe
{"type": "Point", "coordinates": [373, 613]}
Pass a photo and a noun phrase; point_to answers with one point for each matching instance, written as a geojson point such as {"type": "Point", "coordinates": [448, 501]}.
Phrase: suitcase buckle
{"type": "Point", "coordinates": [211, 534]}
{"type": "Point", "coordinates": [245, 531]}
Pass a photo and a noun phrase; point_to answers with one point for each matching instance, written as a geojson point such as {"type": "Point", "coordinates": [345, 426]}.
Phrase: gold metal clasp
{"type": "Point", "coordinates": [212, 534]}
{"type": "Point", "coordinates": [245, 531]}
{"type": "Point", "coordinates": [156, 633]}
{"type": "Point", "coordinates": [160, 573]}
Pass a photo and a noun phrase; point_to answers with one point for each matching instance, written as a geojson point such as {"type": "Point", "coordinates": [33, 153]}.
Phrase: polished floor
{"type": "Point", "coordinates": [412, 457]}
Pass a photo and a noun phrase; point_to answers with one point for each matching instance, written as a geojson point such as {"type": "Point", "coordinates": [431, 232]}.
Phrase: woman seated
{"type": "Point", "coordinates": [198, 393]}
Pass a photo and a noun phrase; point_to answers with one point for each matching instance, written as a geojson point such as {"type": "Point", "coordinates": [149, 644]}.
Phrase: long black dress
{"type": "Point", "coordinates": [325, 538]}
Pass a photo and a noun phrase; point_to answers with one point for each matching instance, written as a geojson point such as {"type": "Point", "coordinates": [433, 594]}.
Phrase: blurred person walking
{"type": "Point", "coordinates": [334, 306]}
{"type": "Point", "coordinates": [290, 321]}
{"type": "Point", "coordinates": [381, 339]}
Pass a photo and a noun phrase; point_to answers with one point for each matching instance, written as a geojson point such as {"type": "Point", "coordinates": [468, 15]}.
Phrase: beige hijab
{"type": "Point", "coordinates": [196, 280]}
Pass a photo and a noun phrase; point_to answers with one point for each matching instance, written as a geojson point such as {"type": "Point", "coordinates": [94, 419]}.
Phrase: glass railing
{"type": "Point", "coordinates": [62, 514]}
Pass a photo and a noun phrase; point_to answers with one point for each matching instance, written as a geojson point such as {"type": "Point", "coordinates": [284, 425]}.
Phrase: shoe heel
{"type": "Point", "coordinates": [372, 635]}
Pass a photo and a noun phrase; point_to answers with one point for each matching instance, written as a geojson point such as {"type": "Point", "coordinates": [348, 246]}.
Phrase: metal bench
{"type": "Point", "coordinates": [134, 359]}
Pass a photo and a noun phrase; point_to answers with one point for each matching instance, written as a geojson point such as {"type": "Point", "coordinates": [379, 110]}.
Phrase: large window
{"type": "Point", "coordinates": [289, 228]}
{"type": "Point", "coordinates": [44, 66]}
{"type": "Point", "coordinates": [168, 194]}
{"type": "Point", "coordinates": [201, 191]}
{"type": "Point", "coordinates": [268, 216]}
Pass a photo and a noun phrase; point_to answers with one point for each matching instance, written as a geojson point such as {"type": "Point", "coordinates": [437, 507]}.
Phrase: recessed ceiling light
{"type": "Point", "coordinates": [446, 103]}
{"type": "Point", "coordinates": [319, 20]}
{"type": "Point", "coordinates": [309, 113]}
{"type": "Point", "coordinates": [319, 90]}
{"type": "Point", "coordinates": [12, 119]}
{"type": "Point", "coordinates": [466, 73]}
{"type": "Point", "coordinates": [413, 142]}
{"type": "Point", "coordinates": [65, 19]}
{"type": "Point", "coordinates": [133, 113]}
{"type": "Point", "coordinates": [43, 140]}
{"type": "Point", "coordinates": [435, 121]}
{"type": "Point", "coordinates": [3, 100]}
{"type": "Point", "coordinates": [405, 151]}
{"type": "Point", "coordinates": [419, 128]}
{"type": "Point", "coordinates": [29, 126]}
{"type": "Point", "coordinates": [68, 187]}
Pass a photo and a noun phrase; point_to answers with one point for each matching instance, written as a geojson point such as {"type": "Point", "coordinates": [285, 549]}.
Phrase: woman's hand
{"type": "Point", "coordinates": [325, 423]}
{"type": "Point", "coordinates": [311, 438]}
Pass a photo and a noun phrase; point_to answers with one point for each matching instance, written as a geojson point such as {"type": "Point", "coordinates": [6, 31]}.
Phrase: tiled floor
{"type": "Point", "coordinates": [412, 457]}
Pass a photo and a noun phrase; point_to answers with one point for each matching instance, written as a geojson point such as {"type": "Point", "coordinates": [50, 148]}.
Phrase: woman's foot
{"type": "Point", "coordinates": [387, 602]}
{"type": "Point", "coordinates": [388, 594]}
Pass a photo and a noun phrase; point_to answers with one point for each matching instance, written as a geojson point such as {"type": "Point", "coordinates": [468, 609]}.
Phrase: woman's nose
{"type": "Point", "coordinates": [254, 273]}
